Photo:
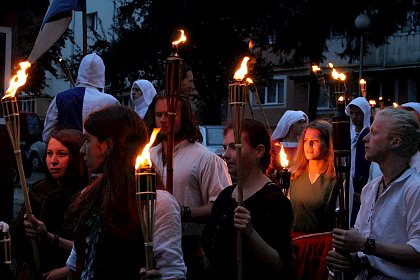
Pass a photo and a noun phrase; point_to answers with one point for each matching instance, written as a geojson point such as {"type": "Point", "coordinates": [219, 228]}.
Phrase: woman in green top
{"type": "Point", "coordinates": [313, 197]}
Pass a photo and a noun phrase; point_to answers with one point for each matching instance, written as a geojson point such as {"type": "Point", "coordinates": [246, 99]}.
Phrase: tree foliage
{"type": "Point", "coordinates": [218, 34]}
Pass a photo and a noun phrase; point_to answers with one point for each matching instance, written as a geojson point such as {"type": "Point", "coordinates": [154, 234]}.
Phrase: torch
{"type": "Point", "coordinates": [321, 80]}
{"type": "Point", "coordinates": [146, 197]}
{"type": "Point", "coordinates": [339, 89]}
{"type": "Point", "coordinates": [237, 100]}
{"type": "Point", "coordinates": [12, 119]}
{"type": "Point", "coordinates": [362, 83]}
{"type": "Point", "coordinates": [342, 158]}
{"type": "Point", "coordinates": [173, 77]}
{"type": "Point", "coordinates": [284, 174]}
{"type": "Point", "coordinates": [6, 257]}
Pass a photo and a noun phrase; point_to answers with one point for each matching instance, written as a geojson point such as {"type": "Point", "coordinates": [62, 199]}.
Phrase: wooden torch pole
{"type": "Point", "coordinates": [172, 90]}
{"type": "Point", "coordinates": [12, 119]}
{"type": "Point", "coordinates": [237, 101]}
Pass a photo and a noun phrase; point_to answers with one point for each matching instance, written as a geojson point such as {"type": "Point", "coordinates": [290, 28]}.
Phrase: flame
{"type": "Point", "coordinates": [330, 65]}
{"type": "Point", "coordinates": [250, 44]}
{"type": "Point", "coordinates": [182, 38]}
{"type": "Point", "coordinates": [242, 71]}
{"type": "Point", "coordinates": [338, 76]}
{"type": "Point", "coordinates": [284, 162]}
{"type": "Point", "coordinates": [372, 102]}
{"type": "Point", "coordinates": [18, 80]}
{"type": "Point", "coordinates": [143, 160]}
{"type": "Point", "coordinates": [249, 81]}
{"type": "Point", "coordinates": [315, 68]}
{"type": "Point", "coordinates": [341, 99]}
{"type": "Point", "coordinates": [362, 82]}
{"type": "Point", "coordinates": [395, 104]}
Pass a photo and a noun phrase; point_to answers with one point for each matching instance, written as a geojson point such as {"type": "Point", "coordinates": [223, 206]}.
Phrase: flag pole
{"type": "Point", "coordinates": [84, 27]}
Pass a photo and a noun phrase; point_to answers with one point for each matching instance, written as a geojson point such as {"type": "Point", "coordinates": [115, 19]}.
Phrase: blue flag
{"type": "Point", "coordinates": [56, 22]}
{"type": "Point", "coordinates": [59, 9]}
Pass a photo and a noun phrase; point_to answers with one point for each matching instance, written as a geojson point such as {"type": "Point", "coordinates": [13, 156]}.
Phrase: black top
{"type": "Point", "coordinates": [271, 217]}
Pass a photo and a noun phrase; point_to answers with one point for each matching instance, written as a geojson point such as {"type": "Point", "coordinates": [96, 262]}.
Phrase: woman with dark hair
{"type": "Point", "coordinates": [264, 220]}
{"type": "Point", "coordinates": [108, 240]}
{"type": "Point", "coordinates": [313, 196]}
{"type": "Point", "coordinates": [50, 199]}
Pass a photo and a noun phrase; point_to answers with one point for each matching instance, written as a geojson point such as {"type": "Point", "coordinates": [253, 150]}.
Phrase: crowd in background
{"type": "Point", "coordinates": [85, 222]}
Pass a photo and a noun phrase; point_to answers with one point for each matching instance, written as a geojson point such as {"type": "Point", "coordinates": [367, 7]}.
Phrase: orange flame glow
{"type": "Point", "coordinates": [250, 44]}
{"type": "Point", "coordinates": [284, 162]}
{"type": "Point", "coordinates": [315, 68]}
{"type": "Point", "coordinates": [341, 99]}
{"type": "Point", "coordinates": [242, 71]}
{"type": "Point", "coordinates": [18, 80]}
{"type": "Point", "coordinates": [143, 160]}
{"type": "Point", "coordinates": [338, 76]}
{"type": "Point", "coordinates": [182, 38]}
{"type": "Point", "coordinates": [372, 102]}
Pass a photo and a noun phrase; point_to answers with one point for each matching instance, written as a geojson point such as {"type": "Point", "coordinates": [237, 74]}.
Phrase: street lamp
{"type": "Point", "coordinates": [361, 22]}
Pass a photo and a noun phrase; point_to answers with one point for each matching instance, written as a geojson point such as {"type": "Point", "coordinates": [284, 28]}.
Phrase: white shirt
{"type": "Point", "coordinates": [393, 219]}
{"type": "Point", "coordinates": [199, 176]}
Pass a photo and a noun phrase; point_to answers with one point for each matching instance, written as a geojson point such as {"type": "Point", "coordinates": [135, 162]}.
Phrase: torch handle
{"type": "Point", "coordinates": [28, 208]}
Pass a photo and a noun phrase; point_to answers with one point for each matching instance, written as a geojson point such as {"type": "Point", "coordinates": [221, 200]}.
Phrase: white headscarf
{"type": "Point", "coordinates": [289, 118]}
{"type": "Point", "coordinates": [142, 103]}
{"type": "Point", "coordinates": [413, 105]}
{"type": "Point", "coordinates": [363, 104]}
{"type": "Point", "coordinates": [91, 71]}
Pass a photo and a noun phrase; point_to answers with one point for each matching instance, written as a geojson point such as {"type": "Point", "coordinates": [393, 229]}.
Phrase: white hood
{"type": "Point", "coordinates": [287, 120]}
{"type": "Point", "coordinates": [414, 105]}
{"type": "Point", "coordinates": [91, 71]}
{"type": "Point", "coordinates": [363, 104]}
{"type": "Point", "coordinates": [142, 103]}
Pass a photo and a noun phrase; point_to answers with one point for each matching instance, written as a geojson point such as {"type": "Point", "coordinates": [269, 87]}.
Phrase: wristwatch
{"type": "Point", "coordinates": [369, 246]}
{"type": "Point", "coordinates": [186, 214]}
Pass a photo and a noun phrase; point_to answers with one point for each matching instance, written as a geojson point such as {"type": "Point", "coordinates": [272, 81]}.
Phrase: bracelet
{"type": "Point", "coordinates": [186, 215]}
{"type": "Point", "coordinates": [55, 241]}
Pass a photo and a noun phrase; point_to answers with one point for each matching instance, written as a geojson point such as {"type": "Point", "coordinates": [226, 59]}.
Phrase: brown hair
{"type": "Point", "coordinates": [255, 133]}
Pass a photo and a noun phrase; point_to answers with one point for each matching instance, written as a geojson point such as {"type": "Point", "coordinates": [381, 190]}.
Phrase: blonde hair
{"type": "Point", "coordinates": [300, 162]}
{"type": "Point", "coordinates": [404, 124]}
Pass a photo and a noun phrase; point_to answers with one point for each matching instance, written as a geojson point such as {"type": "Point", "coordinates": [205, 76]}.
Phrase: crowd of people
{"type": "Point", "coordinates": [85, 222]}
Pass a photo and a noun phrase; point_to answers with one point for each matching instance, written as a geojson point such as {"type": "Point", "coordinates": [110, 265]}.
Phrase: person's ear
{"type": "Point", "coordinates": [395, 142]}
{"type": "Point", "coordinates": [109, 146]}
{"type": "Point", "coordinates": [260, 150]}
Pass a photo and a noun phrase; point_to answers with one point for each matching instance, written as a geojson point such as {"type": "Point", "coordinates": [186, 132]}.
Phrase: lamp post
{"type": "Point", "coordinates": [361, 22]}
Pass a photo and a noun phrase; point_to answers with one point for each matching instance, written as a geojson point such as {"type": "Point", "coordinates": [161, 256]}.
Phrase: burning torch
{"type": "Point", "coordinates": [362, 83]}
{"type": "Point", "coordinates": [146, 197]}
{"type": "Point", "coordinates": [12, 119]}
{"type": "Point", "coordinates": [237, 100]}
{"type": "Point", "coordinates": [340, 89]}
{"type": "Point", "coordinates": [173, 78]}
{"type": "Point", "coordinates": [284, 174]}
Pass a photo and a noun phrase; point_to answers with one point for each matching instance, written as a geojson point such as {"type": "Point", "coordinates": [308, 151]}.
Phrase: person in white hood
{"type": "Point", "coordinates": [70, 108]}
{"type": "Point", "coordinates": [142, 94]}
{"type": "Point", "coordinates": [289, 129]}
{"type": "Point", "coordinates": [359, 111]}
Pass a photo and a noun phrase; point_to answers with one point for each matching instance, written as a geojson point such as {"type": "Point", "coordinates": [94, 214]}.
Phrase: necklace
{"type": "Point", "coordinates": [383, 186]}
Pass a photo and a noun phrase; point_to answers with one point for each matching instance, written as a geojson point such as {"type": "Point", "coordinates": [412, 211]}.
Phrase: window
{"type": "Point", "coordinates": [91, 21]}
{"type": "Point", "coordinates": [273, 93]}
{"type": "Point", "coordinates": [5, 58]}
